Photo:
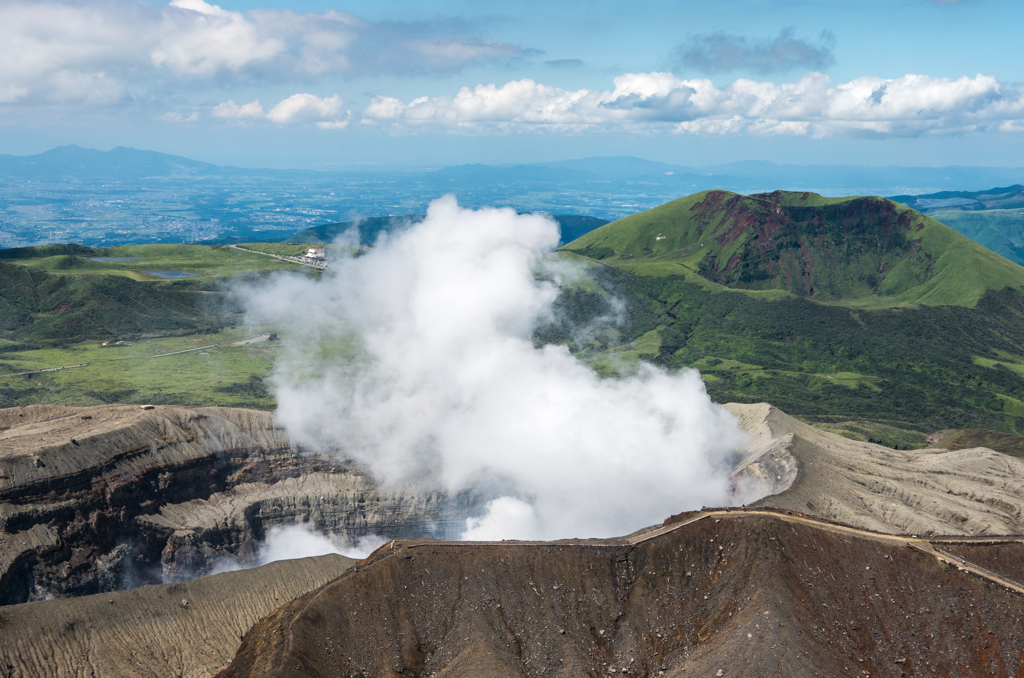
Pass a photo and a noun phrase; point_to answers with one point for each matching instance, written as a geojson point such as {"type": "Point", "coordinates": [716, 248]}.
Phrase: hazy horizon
{"type": "Point", "coordinates": [315, 84]}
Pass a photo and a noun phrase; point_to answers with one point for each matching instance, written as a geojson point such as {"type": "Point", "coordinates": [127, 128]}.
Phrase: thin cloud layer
{"type": "Point", "coordinates": [725, 52]}
{"type": "Point", "coordinates": [103, 52]}
{"type": "Point", "coordinates": [304, 108]}
{"type": "Point", "coordinates": [911, 105]}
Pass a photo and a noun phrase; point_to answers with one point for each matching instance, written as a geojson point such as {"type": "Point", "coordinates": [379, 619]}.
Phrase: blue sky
{"type": "Point", "coordinates": [390, 83]}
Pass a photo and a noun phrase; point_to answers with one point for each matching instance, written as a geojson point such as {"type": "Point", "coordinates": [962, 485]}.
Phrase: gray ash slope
{"type": "Point", "coordinates": [186, 629]}
{"type": "Point", "coordinates": [94, 499]}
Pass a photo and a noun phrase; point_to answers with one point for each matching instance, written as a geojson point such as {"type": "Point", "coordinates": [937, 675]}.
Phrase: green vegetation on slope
{"type": "Point", "coordinates": [933, 341]}
{"type": "Point", "coordinates": [57, 295]}
{"type": "Point", "coordinates": [57, 307]}
{"type": "Point", "coordinates": [222, 372]}
{"type": "Point", "coordinates": [1001, 231]}
{"type": "Point", "coordinates": [864, 251]}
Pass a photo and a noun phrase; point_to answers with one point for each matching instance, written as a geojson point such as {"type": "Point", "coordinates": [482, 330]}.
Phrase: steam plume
{"type": "Point", "coordinates": [287, 542]}
{"type": "Point", "coordinates": [417, 360]}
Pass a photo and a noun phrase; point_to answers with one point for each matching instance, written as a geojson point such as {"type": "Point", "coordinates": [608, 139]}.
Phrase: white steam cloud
{"type": "Point", "coordinates": [417, 360]}
{"type": "Point", "coordinates": [289, 542]}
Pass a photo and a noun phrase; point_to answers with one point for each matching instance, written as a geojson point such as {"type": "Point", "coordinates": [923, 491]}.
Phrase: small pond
{"type": "Point", "coordinates": [172, 275]}
{"type": "Point", "coordinates": [107, 260]}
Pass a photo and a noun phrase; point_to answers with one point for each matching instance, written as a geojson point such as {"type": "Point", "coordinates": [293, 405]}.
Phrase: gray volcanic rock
{"type": "Point", "coordinates": [187, 629]}
{"type": "Point", "coordinates": [94, 499]}
{"type": "Point", "coordinates": [934, 491]}
{"type": "Point", "coordinates": [739, 593]}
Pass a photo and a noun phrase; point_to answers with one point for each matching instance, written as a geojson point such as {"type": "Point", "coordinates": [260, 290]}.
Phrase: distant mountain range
{"type": "Point", "coordinates": [1010, 197]}
{"type": "Point", "coordinates": [100, 198]}
{"type": "Point", "coordinates": [129, 163]}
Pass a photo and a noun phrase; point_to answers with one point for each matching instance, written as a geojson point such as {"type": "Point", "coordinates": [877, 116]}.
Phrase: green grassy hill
{"type": "Point", "coordinates": [59, 295]}
{"type": "Point", "coordinates": [169, 341]}
{"type": "Point", "coordinates": [856, 313]}
{"type": "Point", "coordinates": [860, 251]}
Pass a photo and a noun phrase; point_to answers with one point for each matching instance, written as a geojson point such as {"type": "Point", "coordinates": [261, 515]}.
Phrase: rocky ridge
{"type": "Point", "coordinates": [209, 482]}
{"type": "Point", "coordinates": [724, 593]}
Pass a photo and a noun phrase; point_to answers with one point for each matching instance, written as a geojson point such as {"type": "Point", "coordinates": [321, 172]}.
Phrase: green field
{"type": "Point", "coordinates": [220, 372]}
{"type": "Point", "coordinates": [57, 308]}
{"type": "Point", "coordinates": [58, 296]}
{"type": "Point", "coordinates": [200, 260]}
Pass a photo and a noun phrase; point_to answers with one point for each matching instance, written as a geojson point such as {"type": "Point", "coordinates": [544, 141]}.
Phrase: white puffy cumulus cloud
{"type": "Point", "coordinates": [418, 360]}
{"type": "Point", "coordinates": [906, 106]}
{"type": "Point", "coordinates": [326, 113]}
{"type": "Point", "coordinates": [104, 51]}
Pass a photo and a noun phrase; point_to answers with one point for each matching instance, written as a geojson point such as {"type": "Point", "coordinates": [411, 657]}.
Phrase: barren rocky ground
{"type": "Point", "coordinates": [92, 499]}
{"type": "Point", "coordinates": [188, 629]}
{"type": "Point", "coordinates": [729, 594]}
{"type": "Point", "coordinates": [932, 491]}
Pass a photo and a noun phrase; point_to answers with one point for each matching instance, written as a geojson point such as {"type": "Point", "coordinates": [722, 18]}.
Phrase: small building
{"type": "Point", "coordinates": [315, 253]}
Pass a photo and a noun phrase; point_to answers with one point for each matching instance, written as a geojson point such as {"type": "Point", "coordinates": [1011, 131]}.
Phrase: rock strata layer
{"type": "Point", "coordinates": [101, 498]}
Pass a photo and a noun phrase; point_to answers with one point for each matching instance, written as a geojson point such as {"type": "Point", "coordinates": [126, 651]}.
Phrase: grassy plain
{"type": "Point", "coordinates": [279, 249]}
{"type": "Point", "coordinates": [200, 260]}
{"type": "Point", "coordinates": [57, 307]}
{"type": "Point", "coordinates": [215, 370]}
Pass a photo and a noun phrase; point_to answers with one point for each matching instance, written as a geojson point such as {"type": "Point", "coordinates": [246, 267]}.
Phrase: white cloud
{"type": "Point", "coordinates": [229, 109]}
{"type": "Point", "coordinates": [203, 39]}
{"type": "Point", "coordinates": [300, 108]}
{"type": "Point", "coordinates": [173, 116]}
{"type": "Point", "coordinates": [327, 113]}
{"type": "Point", "coordinates": [909, 105]}
{"type": "Point", "coordinates": [103, 51]}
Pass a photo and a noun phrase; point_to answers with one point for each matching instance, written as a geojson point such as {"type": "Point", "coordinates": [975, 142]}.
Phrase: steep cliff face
{"type": "Point", "coordinates": [740, 593]}
{"type": "Point", "coordinates": [93, 499]}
